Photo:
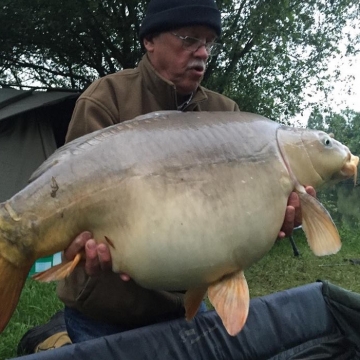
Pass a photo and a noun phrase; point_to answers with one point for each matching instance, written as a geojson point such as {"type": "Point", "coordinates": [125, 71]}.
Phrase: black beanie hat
{"type": "Point", "coordinates": [164, 15]}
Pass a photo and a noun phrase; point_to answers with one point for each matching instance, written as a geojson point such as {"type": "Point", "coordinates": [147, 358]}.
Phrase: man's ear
{"type": "Point", "coordinates": [149, 43]}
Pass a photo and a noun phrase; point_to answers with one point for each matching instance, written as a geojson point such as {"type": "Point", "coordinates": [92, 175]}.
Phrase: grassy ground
{"type": "Point", "coordinates": [38, 302]}
{"type": "Point", "coordinates": [277, 271]}
{"type": "Point", "coordinates": [280, 270]}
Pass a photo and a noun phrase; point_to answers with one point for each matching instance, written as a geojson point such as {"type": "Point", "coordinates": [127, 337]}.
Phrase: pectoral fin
{"type": "Point", "coordinates": [321, 232]}
{"type": "Point", "coordinates": [58, 272]}
{"type": "Point", "coordinates": [193, 299]}
{"type": "Point", "coordinates": [230, 298]}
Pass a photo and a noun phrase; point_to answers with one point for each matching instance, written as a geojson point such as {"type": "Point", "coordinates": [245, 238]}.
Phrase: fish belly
{"type": "Point", "coordinates": [191, 227]}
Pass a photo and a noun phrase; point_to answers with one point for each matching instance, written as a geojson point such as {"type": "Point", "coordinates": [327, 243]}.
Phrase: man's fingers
{"type": "Point", "coordinates": [77, 245]}
{"type": "Point", "coordinates": [293, 216]}
{"type": "Point", "coordinates": [311, 191]}
{"type": "Point", "coordinates": [294, 201]}
{"type": "Point", "coordinates": [98, 258]}
{"type": "Point", "coordinates": [104, 256]}
{"type": "Point", "coordinates": [92, 264]}
{"type": "Point", "coordinates": [124, 277]}
{"type": "Point", "coordinates": [288, 224]}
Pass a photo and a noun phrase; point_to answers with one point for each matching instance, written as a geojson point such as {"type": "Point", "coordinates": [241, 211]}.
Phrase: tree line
{"type": "Point", "coordinates": [271, 50]}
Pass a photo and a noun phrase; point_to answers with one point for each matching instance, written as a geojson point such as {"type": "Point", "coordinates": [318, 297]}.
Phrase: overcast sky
{"type": "Point", "coordinates": [340, 93]}
{"type": "Point", "coordinates": [340, 98]}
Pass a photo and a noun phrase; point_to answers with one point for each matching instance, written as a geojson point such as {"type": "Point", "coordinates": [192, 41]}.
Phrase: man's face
{"type": "Point", "coordinates": [175, 63]}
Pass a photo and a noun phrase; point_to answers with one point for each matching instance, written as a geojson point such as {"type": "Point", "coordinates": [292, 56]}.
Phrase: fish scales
{"type": "Point", "coordinates": [179, 195]}
{"type": "Point", "coordinates": [187, 178]}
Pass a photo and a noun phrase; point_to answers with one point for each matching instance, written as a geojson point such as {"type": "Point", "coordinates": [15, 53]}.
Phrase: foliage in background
{"type": "Point", "coordinates": [272, 49]}
{"type": "Point", "coordinates": [342, 200]}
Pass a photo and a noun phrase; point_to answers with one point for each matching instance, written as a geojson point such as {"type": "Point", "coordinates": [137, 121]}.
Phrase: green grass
{"type": "Point", "coordinates": [277, 271]}
{"type": "Point", "coordinates": [38, 302]}
{"type": "Point", "coordinates": [280, 270]}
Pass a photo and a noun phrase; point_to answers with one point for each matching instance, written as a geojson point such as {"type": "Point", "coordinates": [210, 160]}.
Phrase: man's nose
{"type": "Point", "coordinates": [201, 52]}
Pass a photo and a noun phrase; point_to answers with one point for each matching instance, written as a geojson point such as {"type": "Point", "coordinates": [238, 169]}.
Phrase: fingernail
{"type": "Point", "coordinates": [90, 245]}
{"type": "Point", "coordinates": [102, 249]}
{"type": "Point", "coordinates": [86, 235]}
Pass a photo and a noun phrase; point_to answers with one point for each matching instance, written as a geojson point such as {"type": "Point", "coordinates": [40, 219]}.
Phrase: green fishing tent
{"type": "Point", "coordinates": [32, 125]}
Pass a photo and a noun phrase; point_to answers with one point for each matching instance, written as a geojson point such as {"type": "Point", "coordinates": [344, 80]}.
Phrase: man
{"type": "Point", "coordinates": [179, 37]}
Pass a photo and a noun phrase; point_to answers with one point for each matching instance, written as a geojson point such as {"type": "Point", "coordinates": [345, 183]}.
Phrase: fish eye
{"type": "Point", "coordinates": [327, 141]}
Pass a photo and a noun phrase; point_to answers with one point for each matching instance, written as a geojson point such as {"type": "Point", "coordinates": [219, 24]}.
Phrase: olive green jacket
{"type": "Point", "coordinates": [110, 100]}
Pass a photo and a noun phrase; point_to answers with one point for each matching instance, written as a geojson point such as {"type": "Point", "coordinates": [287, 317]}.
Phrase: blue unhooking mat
{"type": "Point", "coordinates": [315, 321]}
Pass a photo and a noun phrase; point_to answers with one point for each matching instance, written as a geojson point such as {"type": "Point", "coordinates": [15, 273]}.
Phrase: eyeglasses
{"type": "Point", "coordinates": [193, 44]}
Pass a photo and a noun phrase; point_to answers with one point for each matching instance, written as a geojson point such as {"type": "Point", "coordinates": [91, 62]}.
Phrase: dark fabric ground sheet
{"type": "Point", "coordinates": [315, 321]}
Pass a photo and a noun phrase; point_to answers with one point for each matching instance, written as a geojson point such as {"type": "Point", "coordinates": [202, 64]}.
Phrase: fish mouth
{"type": "Point", "coordinates": [350, 168]}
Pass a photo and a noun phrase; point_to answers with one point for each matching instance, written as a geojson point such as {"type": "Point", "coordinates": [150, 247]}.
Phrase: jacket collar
{"type": "Point", "coordinates": [164, 90]}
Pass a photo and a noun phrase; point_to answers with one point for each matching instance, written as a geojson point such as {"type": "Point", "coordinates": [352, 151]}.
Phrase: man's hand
{"type": "Point", "coordinates": [97, 256]}
{"type": "Point", "coordinates": [293, 213]}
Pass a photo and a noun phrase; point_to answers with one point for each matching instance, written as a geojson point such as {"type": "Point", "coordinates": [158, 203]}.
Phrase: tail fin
{"type": "Point", "coordinates": [12, 281]}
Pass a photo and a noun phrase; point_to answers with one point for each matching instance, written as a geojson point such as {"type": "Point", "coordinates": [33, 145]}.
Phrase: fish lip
{"type": "Point", "coordinates": [349, 169]}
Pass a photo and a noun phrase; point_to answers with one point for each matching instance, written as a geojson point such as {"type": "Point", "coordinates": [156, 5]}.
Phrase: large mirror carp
{"type": "Point", "coordinates": [186, 201]}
